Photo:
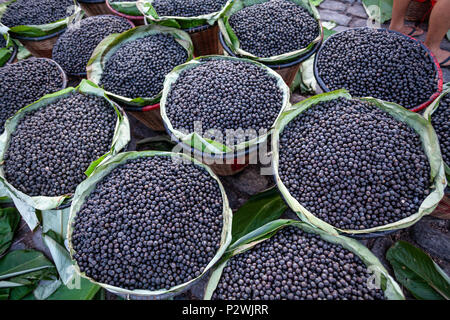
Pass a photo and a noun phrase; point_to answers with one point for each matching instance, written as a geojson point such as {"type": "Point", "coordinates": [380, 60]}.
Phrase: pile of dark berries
{"type": "Point", "coordinates": [2, 41]}
{"type": "Point", "coordinates": [36, 12]}
{"type": "Point", "coordinates": [274, 27]}
{"type": "Point", "coordinates": [53, 146]}
{"type": "Point", "coordinates": [187, 8]}
{"type": "Point", "coordinates": [26, 81]}
{"type": "Point", "coordinates": [380, 64]}
{"type": "Point", "coordinates": [151, 224]}
{"type": "Point", "coordinates": [138, 68]}
{"type": "Point", "coordinates": [353, 165]}
{"type": "Point", "coordinates": [440, 119]}
{"type": "Point", "coordinates": [224, 95]}
{"type": "Point", "coordinates": [295, 265]}
{"type": "Point", "coordinates": [74, 48]}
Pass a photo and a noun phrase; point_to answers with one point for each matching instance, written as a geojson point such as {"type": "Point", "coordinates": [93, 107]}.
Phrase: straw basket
{"type": "Point", "coordinates": [206, 40]}
{"type": "Point", "coordinates": [94, 7]}
{"type": "Point", "coordinates": [40, 47]}
{"type": "Point", "coordinates": [443, 209]}
{"type": "Point", "coordinates": [148, 115]}
{"type": "Point", "coordinates": [418, 11]}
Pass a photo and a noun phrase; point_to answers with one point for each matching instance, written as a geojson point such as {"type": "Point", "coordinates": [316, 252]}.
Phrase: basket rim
{"type": "Point", "coordinates": [57, 33]}
{"type": "Point", "coordinates": [437, 68]}
{"type": "Point", "coordinates": [120, 14]}
{"type": "Point", "coordinates": [198, 153]}
{"type": "Point", "coordinates": [300, 59]}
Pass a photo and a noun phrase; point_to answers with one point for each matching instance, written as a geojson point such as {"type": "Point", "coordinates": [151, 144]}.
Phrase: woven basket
{"type": "Point", "coordinates": [443, 209]}
{"type": "Point", "coordinates": [41, 47]}
{"type": "Point", "coordinates": [150, 116]}
{"type": "Point", "coordinates": [205, 40]}
{"type": "Point", "coordinates": [95, 9]}
{"type": "Point", "coordinates": [222, 165]}
{"type": "Point", "coordinates": [418, 11]}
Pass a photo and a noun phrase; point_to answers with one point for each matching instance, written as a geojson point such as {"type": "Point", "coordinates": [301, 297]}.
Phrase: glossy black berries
{"type": "Point", "coordinates": [53, 146]}
{"type": "Point", "coordinates": [151, 223]}
{"type": "Point", "coordinates": [36, 12]}
{"type": "Point", "coordinates": [274, 27]}
{"type": "Point", "coordinates": [296, 265]}
{"type": "Point", "coordinates": [74, 48]}
{"type": "Point", "coordinates": [2, 41]}
{"type": "Point", "coordinates": [440, 119]}
{"type": "Point", "coordinates": [187, 8]}
{"type": "Point", "coordinates": [353, 165]}
{"type": "Point", "coordinates": [224, 95]}
{"type": "Point", "coordinates": [137, 69]}
{"type": "Point", "coordinates": [26, 81]}
{"type": "Point", "coordinates": [380, 64]}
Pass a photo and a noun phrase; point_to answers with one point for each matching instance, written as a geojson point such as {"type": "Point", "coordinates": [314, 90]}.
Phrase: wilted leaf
{"type": "Point", "coordinates": [256, 212]}
{"type": "Point", "coordinates": [418, 272]}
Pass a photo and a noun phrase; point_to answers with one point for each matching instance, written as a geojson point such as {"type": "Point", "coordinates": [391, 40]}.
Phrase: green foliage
{"type": "Point", "coordinates": [21, 271]}
{"type": "Point", "coordinates": [418, 272]}
{"type": "Point", "coordinates": [86, 291]}
{"type": "Point", "coordinates": [256, 212]}
{"type": "Point", "coordinates": [379, 10]}
{"type": "Point", "coordinates": [9, 221]}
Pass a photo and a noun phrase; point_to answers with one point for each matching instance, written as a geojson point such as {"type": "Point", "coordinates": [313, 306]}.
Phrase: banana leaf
{"type": "Point", "coordinates": [87, 186]}
{"type": "Point", "coordinates": [418, 123]}
{"type": "Point", "coordinates": [146, 8]}
{"type": "Point", "coordinates": [232, 40]}
{"type": "Point", "coordinates": [24, 270]}
{"type": "Point", "coordinates": [429, 112]}
{"type": "Point", "coordinates": [106, 49]}
{"type": "Point", "coordinates": [391, 289]}
{"type": "Point", "coordinates": [126, 7]}
{"type": "Point", "coordinates": [34, 31]}
{"type": "Point", "coordinates": [27, 205]}
{"type": "Point", "coordinates": [198, 142]}
{"type": "Point", "coordinates": [9, 221]}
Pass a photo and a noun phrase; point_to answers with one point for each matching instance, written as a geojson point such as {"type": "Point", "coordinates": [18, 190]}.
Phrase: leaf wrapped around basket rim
{"type": "Point", "coordinates": [109, 46]}
{"type": "Point", "coordinates": [87, 186]}
{"type": "Point", "coordinates": [126, 7]}
{"type": "Point", "coordinates": [391, 289]}
{"type": "Point", "coordinates": [200, 143]}
{"type": "Point", "coordinates": [146, 8]}
{"type": "Point", "coordinates": [28, 204]}
{"type": "Point", "coordinates": [34, 31]}
{"type": "Point", "coordinates": [232, 41]}
{"type": "Point", "coordinates": [8, 50]}
{"type": "Point", "coordinates": [429, 112]}
{"type": "Point", "coordinates": [430, 145]}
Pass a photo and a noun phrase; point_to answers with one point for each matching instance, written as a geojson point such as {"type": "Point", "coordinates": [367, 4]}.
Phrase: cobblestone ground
{"type": "Point", "coordinates": [431, 234]}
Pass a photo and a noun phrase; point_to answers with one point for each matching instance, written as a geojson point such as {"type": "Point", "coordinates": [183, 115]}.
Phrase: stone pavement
{"type": "Point", "coordinates": [351, 14]}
